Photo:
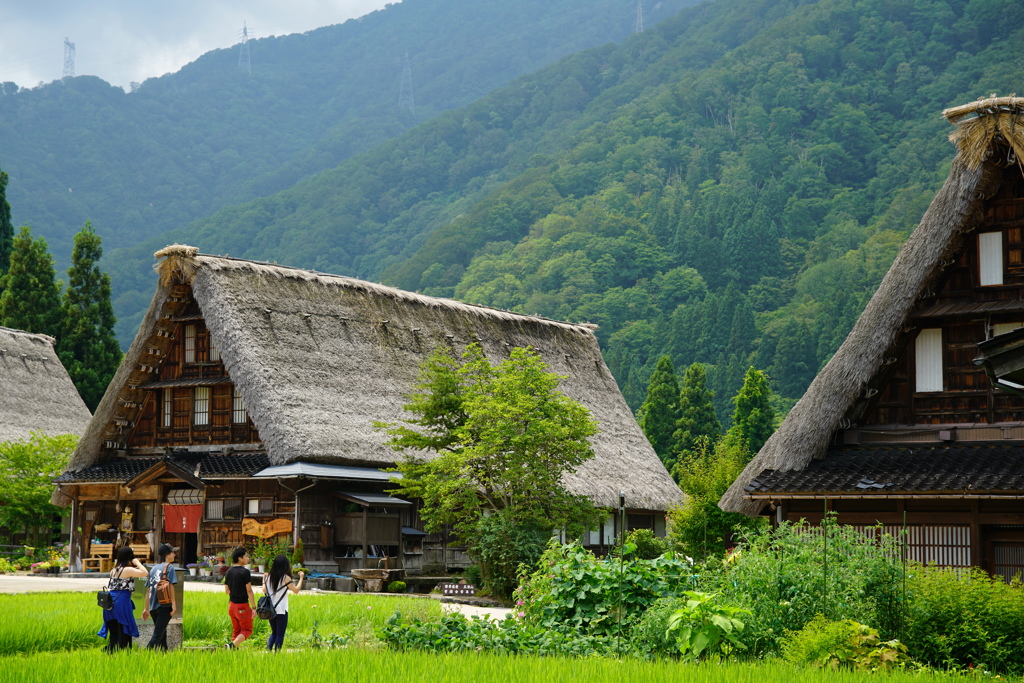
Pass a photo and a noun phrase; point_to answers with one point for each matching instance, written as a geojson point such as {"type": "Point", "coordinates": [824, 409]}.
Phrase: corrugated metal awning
{"type": "Point", "coordinates": [370, 499]}
{"type": "Point", "coordinates": [313, 470]}
{"type": "Point", "coordinates": [409, 531]}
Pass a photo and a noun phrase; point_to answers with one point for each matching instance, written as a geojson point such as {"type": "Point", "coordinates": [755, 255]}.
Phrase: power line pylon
{"type": "Point", "coordinates": [69, 59]}
{"type": "Point", "coordinates": [405, 98]}
{"type": "Point", "coordinates": [639, 16]}
{"type": "Point", "coordinates": [244, 60]}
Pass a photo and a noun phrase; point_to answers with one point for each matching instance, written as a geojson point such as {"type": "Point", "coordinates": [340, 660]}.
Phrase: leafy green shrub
{"type": "Point", "coordinates": [472, 575]}
{"type": "Point", "coordinates": [575, 589]}
{"type": "Point", "coordinates": [788, 575]}
{"type": "Point", "coordinates": [396, 587]}
{"type": "Point", "coordinates": [5, 565]}
{"type": "Point", "coordinates": [645, 545]}
{"type": "Point", "coordinates": [842, 644]}
{"type": "Point", "coordinates": [705, 626]}
{"type": "Point", "coordinates": [650, 636]}
{"type": "Point", "coordinates": [456, 633]}
{"type": "Point", "coordinates": [504, 544]}
{"type": "Point", "coordinates": [964, 617]}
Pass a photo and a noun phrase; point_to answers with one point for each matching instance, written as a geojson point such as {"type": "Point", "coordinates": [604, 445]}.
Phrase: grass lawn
{"type": "Point", "coordinates": [44, 636]}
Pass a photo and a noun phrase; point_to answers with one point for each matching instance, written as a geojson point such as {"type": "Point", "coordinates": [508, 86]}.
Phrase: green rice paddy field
{"type": "Point", "coordinates": [44, 636]}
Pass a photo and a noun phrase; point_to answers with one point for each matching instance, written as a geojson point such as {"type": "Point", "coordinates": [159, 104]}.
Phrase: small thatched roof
{"type": "Point", "coordinates": [36, 394]}
{"type": "Point", "coordinates": [986, 129]}
{"type": "Point", "coordinates": [318, 358]}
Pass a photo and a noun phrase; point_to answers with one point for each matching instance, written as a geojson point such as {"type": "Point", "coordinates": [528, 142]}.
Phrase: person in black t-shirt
{"type": "Point", "coordinates": [241, 602]}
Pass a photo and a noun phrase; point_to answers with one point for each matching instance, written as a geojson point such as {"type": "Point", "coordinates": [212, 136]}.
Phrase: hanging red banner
{"type": "Point", "coordinates": [182, 518]}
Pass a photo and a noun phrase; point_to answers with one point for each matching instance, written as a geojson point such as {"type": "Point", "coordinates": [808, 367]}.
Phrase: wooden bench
{"type": "Point", "coordinates": [101, 558]}
{"type": "Point", "coordinates": [142, 551]}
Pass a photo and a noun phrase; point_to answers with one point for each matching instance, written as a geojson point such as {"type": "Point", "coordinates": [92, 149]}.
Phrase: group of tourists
{"type": "Point", "coordinates": [119, 626]}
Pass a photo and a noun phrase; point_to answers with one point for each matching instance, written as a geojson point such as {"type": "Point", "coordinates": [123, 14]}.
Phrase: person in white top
{"type": "Point", "coordinates": [276, 585]}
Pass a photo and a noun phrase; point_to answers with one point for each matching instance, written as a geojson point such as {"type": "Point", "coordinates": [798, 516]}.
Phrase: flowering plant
{"type": "Point", "coordinates": [192, 565]}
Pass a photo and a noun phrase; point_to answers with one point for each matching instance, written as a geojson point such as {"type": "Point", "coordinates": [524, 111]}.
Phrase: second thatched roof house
{"type": "Point", "coordinates": [917, 420]}
{"type": "Point", "coordinates": [248, 398]}
{"type": "Point", "coordinates": [36, 393]}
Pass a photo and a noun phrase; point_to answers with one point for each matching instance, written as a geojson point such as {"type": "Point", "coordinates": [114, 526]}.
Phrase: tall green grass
{"type": "Point", "coordinates": [47, 622]}
{"type": "Point", "coordinates": [363, 665]}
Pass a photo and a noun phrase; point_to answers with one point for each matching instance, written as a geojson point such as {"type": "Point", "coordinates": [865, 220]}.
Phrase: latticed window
{"type": "Point", "coordinates": [214, 351]}
{"type": "Point", "coordinates": [190, 343]}
{"type": "Point", "coordinates": [168, 396]}
{"type": "Point", "coordinates": [202, 406]}
{"type": "Point", "coordinates": [238, 413]}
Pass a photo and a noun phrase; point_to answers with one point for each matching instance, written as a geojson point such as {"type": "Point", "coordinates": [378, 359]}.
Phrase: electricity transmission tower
{"type": "Point", "coordinates": [405, 99]}
{"type": "Point", "coordinates": [69, 59]}
{"type": "Point", "coordinates": [244, 61]}
{"type": "Point", "coordinates": [639, 16]}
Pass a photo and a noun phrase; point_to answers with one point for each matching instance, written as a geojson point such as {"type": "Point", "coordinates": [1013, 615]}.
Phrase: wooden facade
{"type": "Point", "coordinates": [931, 446]}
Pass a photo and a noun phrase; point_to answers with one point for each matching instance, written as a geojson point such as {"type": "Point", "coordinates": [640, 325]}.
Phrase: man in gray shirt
{"type": "Point", "coordinates": [161, 613]}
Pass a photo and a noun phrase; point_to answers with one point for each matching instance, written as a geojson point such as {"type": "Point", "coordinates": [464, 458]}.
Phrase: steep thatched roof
{"type": "Point", "coordinates": [318, 358]}
{"type": "Point", "coordinates": [986, 131]}
{"type": "Point", "coordinates": [36, 394]}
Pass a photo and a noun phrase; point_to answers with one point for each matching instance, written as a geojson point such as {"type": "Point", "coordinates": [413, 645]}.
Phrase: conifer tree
{"type": "Point", "coordinates": [31, 294]}
{"type": "Point", "coordinates": [87, 346]}
{"type": "Point", "coordinates": [754, 417]}
{"type": "Point", "coordinates": [660, 411]}
{"type": "Point", "coordinates": [6, 229]}
{"type": "Point", "coordinates": [697, 416]}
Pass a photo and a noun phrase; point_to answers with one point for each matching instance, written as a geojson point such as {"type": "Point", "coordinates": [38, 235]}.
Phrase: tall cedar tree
{"type": "Point", "coordinates": [660, 411]}
{"type": "Point", "coordinates": [6, 229]}
{"type": "Point", "coordinates": [87, 346]}
{"type": "Point", "coordinates": [754, 416]}
{"type": "Point", "coordinates": [697, 417]}
{"type": "Point", "coordinates": [31, 294]}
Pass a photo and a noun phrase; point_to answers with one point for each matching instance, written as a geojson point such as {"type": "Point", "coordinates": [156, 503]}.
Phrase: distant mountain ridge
{"type": "Point", "coordinates": [185, 144]}
{"type": "Point", "coordinates": [726, 188]}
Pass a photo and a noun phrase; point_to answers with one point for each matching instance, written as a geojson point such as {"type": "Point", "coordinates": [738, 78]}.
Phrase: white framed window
{"type": "Point", "coordinates": [223, 509]}
{"type": "Point", "coordinates": [238, 412]}
{"type": "Point", "coordinates": [167, 407]}
{"type": "Point", "coordinates": [990, 258]}
{"type": "Point", "coordinates": [259, 506]}
{"type": "Point", "coordinates": [190, 343]}
{"type": "Point", "coordinates": [928, 358]}
{"type": "Point", "coordinates": [201, 406]}
{"type": "Point", "coordinates": [1003, 328]}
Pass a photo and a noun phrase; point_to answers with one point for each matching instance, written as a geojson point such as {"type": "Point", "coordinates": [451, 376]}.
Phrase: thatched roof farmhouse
{"type": "Point", "coordinates": [903, 424]}
{"type": "Point", "coordinates": [275, 374]}
{"type": "Point", "coordinates": [36, 393]}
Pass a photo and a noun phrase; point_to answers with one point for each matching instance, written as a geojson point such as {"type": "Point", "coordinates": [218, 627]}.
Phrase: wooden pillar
{"type": "Point", "coordinates": [976, 560]}
{"type": "Point", "coordinates": [366, 533]}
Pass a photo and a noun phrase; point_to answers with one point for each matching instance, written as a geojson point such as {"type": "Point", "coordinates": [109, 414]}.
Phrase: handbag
{"type": "Point", "coordinates": [164, 589]}
{"type": "Point", "coordinates": [265, 609]}
{"type": "Point", "coordinates": [103, 598]}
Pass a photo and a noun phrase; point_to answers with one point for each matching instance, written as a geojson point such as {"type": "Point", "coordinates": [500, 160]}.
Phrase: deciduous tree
{"type": "Point", "coordinates": [494, 441]}
{"type": "Point", "coordinates": [27, 470]}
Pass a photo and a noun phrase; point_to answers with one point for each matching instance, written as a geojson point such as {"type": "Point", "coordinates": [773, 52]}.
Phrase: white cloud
{"type": "Point", "coordinates": [126, 40]}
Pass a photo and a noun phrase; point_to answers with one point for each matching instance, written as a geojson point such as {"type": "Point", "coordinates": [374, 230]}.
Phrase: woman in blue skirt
{"type": "Point", "coordinates": [119, 623]}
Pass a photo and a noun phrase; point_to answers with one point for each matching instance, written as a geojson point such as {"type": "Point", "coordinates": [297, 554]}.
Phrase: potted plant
{"type": "Point", "coordinates": [193, 568]}
{"type": "Point", "coordinates": [260, 562]}
{"type": "Point", "coordinates": [40, 567]}
{"type": "Point", "coordinates": [204, 567]}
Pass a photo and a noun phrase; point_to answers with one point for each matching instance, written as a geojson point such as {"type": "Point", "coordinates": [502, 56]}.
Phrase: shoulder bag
{"type": "Point", "coordinates": [164, 589]}
{"type": "Point", "coordinates": [103, 598]}
{"type": "Point", "coordinates": [267, 609]}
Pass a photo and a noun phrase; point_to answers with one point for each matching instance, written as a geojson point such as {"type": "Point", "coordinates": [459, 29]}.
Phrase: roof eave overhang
{"type": "Point", "coordinates": [837, 495]}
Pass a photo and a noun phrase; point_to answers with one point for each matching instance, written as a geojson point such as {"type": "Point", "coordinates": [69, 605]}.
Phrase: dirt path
{"type": "Point", "coordinates": [21, 583]}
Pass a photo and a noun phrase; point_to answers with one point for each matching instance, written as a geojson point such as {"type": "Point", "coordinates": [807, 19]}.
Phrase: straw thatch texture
{"type": "Point", "coordinates": [318, 358]}
{"type": "Point", "coordinates": [810, 425]}
{"type": "Point", "coordinates": [36, 394]}
{"type": "Point", "coordinates": [980, 124]}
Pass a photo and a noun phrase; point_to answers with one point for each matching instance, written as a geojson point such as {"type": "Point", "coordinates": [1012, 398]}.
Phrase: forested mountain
{"type": "Point", "coordinates": [181, 146]}
{"type": "Point", "coordinates": [728, 187]}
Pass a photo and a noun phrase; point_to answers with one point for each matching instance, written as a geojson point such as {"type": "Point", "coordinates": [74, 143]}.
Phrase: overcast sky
{"type": "Point", "coordinates": [131, 40]}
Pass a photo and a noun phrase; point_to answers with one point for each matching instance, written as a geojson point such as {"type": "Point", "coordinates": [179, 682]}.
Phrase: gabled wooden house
{"type": "Point", "coordinates": [36, 393]}
{"type": "Point", "coordinates": [246, 404]}
{"type": "Point", "coordinates": [913, 422]}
